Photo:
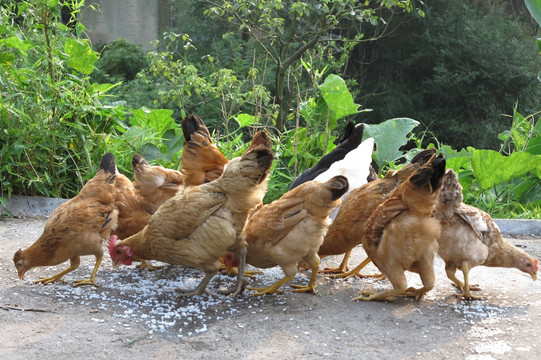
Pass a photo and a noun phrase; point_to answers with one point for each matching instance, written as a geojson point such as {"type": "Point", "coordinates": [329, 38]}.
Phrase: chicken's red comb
{"type": "Point", "coordinates": [535, 262]}
{"type": "Point", "coordinates": [111, 244]}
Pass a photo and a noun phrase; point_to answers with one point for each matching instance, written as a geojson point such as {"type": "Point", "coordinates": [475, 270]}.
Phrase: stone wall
{"type": "Point", "coordinates": [139, 21]}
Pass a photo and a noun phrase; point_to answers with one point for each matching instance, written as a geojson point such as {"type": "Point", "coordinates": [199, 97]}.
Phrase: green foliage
{"type": "Point", "coordinates": [456, 71]}
{"type": "Point", "coordinates": [284, 31]}
{"type": "Point", "coordinates": [53, 119]}
{"type": "Point", "coordinates": [503, 184]}
{"type": "Point", "coordinates": [120, 60]}
{"type": "Point", "coordinates": [390, 136]}
{"type": "Point", "coordinates": [202, 88]}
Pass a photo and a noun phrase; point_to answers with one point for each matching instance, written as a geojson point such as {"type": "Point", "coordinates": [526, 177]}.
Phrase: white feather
{"type": "Point", "coordinates": [355, 166]}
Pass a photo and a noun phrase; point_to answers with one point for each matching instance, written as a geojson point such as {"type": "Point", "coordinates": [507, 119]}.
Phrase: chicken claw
{"type": "Point", "coordinates": [355, 272]}
{"type": "Point", "coordinates": [304, 288]}
{"type": "Point", "coordinates": [85, 282]}
{"type": "Point", "coordinates": [274, 288]}
{"type": "Point", "coordinates": [74, 264]}
{"type": "Point", "coordinates": [247, 273]}
{"type": "Point", "coordinates": [417, 293]}
{"type": "Point", "coordinates": [342, 268]}
{"type": "Point", "coordinates": [49, 280]}
{"type": "Point", "coordinates": [264, 291]}
{"type": "Point", "coordinates": [387, 295]}
{"type": "Point", "coordinates": [240, 285]}
{"type": "Point", "coordinates": [311, 287]}
{"type": "Point", "coordinates": [92, 279]}
{"type": "Point", "coordinates": [145, 265]}
{"type": "Point", "coordinates": [200, 289]}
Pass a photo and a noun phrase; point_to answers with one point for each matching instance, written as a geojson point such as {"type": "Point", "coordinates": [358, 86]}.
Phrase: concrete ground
{"type": "Point", "coordinates": [136, 315]}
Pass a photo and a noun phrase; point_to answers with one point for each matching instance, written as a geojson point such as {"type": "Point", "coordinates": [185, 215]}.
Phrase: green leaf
{"type": "Point", "coordinates": [492, 168]}
{"type": "Point", "coordinates": [336, 97]}
{"type": "Point", "coordinates": [456, 160]}
{"type": "Point", "coordinates": [245, 120]}
{"type": "Point", "coordinates": [520, 130]}
{"type": "Point", "coordinates": [150, 152]}
{"type": "Point", "coordinates": [81, 56]}
{"type": "Point", "coordinates": [534, 7]}
{"type": "Point", "coordinates": [174, 140]}
{"type": "Point", "coordinates": [389, 136]}
{"type": "Point", "coordinates": [160, 120]}
{"type": "Point", "coordinates": [534, 144]}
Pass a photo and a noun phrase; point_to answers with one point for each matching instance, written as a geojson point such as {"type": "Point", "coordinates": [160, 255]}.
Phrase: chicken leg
{"type": "Point", "coordinates": [465, 288]}
{"type": "Point", "coordinates": [274, 288]}
{"type": "Point", "coordinates": [355, 272]}
{"type": "Point", "coordinates": [311, 287]}
{"type": "Point", "coordinates": [342, 268]}
{"type": "Point", "coordinates": [239, 286]}
{"type": "Point", "coordinates": [200, 289]}
{"type": "Point", "coordinates": [92, 279]}
{"type": "Point", "coordinates": [74, 264]}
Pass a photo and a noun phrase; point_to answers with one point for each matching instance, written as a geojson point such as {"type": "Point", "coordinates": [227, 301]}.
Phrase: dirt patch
{"type": "Point", "coordinates": [135, 314]}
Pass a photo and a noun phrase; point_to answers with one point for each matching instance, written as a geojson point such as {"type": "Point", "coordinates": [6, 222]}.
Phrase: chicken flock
{"type": "Point", "coordinates": [210, 215]}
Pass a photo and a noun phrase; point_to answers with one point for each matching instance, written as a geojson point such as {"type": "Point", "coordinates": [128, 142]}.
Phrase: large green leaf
{"type": "Point", "coordinates": [81, 56]}
{"type": "Point", "coordinates": [492, 168]}
{"type": "Point", "coordinates": [534, 7]}
{"type": "Point", "coordinates": [335, 99]}
{"type": "Point", "coordinates": [159, 120]}
{"type": "Point", "coordinates": [389, 137]}
{"type": "Point", "coordinates": [173, 139]}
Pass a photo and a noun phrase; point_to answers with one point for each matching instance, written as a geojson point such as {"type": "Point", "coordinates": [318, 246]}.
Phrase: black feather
{"type": "Point", "coordinates": [108, 165]}
{"type": "Point", "coordinates": [352, 141]}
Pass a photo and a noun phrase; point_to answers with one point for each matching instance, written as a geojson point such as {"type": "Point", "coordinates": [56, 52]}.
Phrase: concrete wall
{"type": "Point", "coordinates": [139, 21]}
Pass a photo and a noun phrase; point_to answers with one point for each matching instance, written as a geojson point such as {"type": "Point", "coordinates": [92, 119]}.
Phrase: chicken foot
{"type": "Point", "coordinates": [200, 289]}
{"type": "Point", "coordinates": [145, 265]}
{"type": "Point", "coordinates": [386, 295]}
{"type": "Point", "coordinates": [311, 287]}
{"type": "Point", "coordinates": [400, 286]}
{"type": "Point", "coordinates": [239, 286]}
{"type": "Point", "coordinates": [74, 264]}
{"type": "Point", "coordinates": [355, 272]}
{"type": "Point", "coordinates": [233, 271]}
{"type": "Point", "coordinates": [92, 279]}
{"type": "Point", "coordinates": [342, 268]}
{"type": "Point", "coordinates": [274, 288]}
{"type": "Point", "coordinates": [417, 293]}
{"type": "Point", "coordinates": [465, 288]}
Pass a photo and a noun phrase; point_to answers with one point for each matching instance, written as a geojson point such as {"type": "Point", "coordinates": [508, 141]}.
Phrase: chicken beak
{"type": "Point", "coordinates": [534, 276]}
{"type": "Point", "coordinates": [21, 274]}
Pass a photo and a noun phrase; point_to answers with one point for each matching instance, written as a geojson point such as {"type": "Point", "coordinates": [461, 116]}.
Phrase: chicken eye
{"type": "Point", "coordinates": [118, 251]}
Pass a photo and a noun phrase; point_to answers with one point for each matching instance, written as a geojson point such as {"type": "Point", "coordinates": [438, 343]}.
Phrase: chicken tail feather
{"type": "Point", "coordinates": [338, 186]}
{"type": "Point", "coordinates": [192, 124]}
{"type": "Point", "coordinates": [108, 165]}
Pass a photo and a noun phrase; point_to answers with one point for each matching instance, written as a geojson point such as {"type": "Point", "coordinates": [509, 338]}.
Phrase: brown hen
{"type": "Point", "coordinates": [402, 234]}
{"type": "Point", "coordinates": [201, 162]}
{"type": "Point", "coordinates": [291, 229]}
{"type": "Point", "coordinates": [76, 228]}
{"type": "Point", "coordinates": [470, 237]}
